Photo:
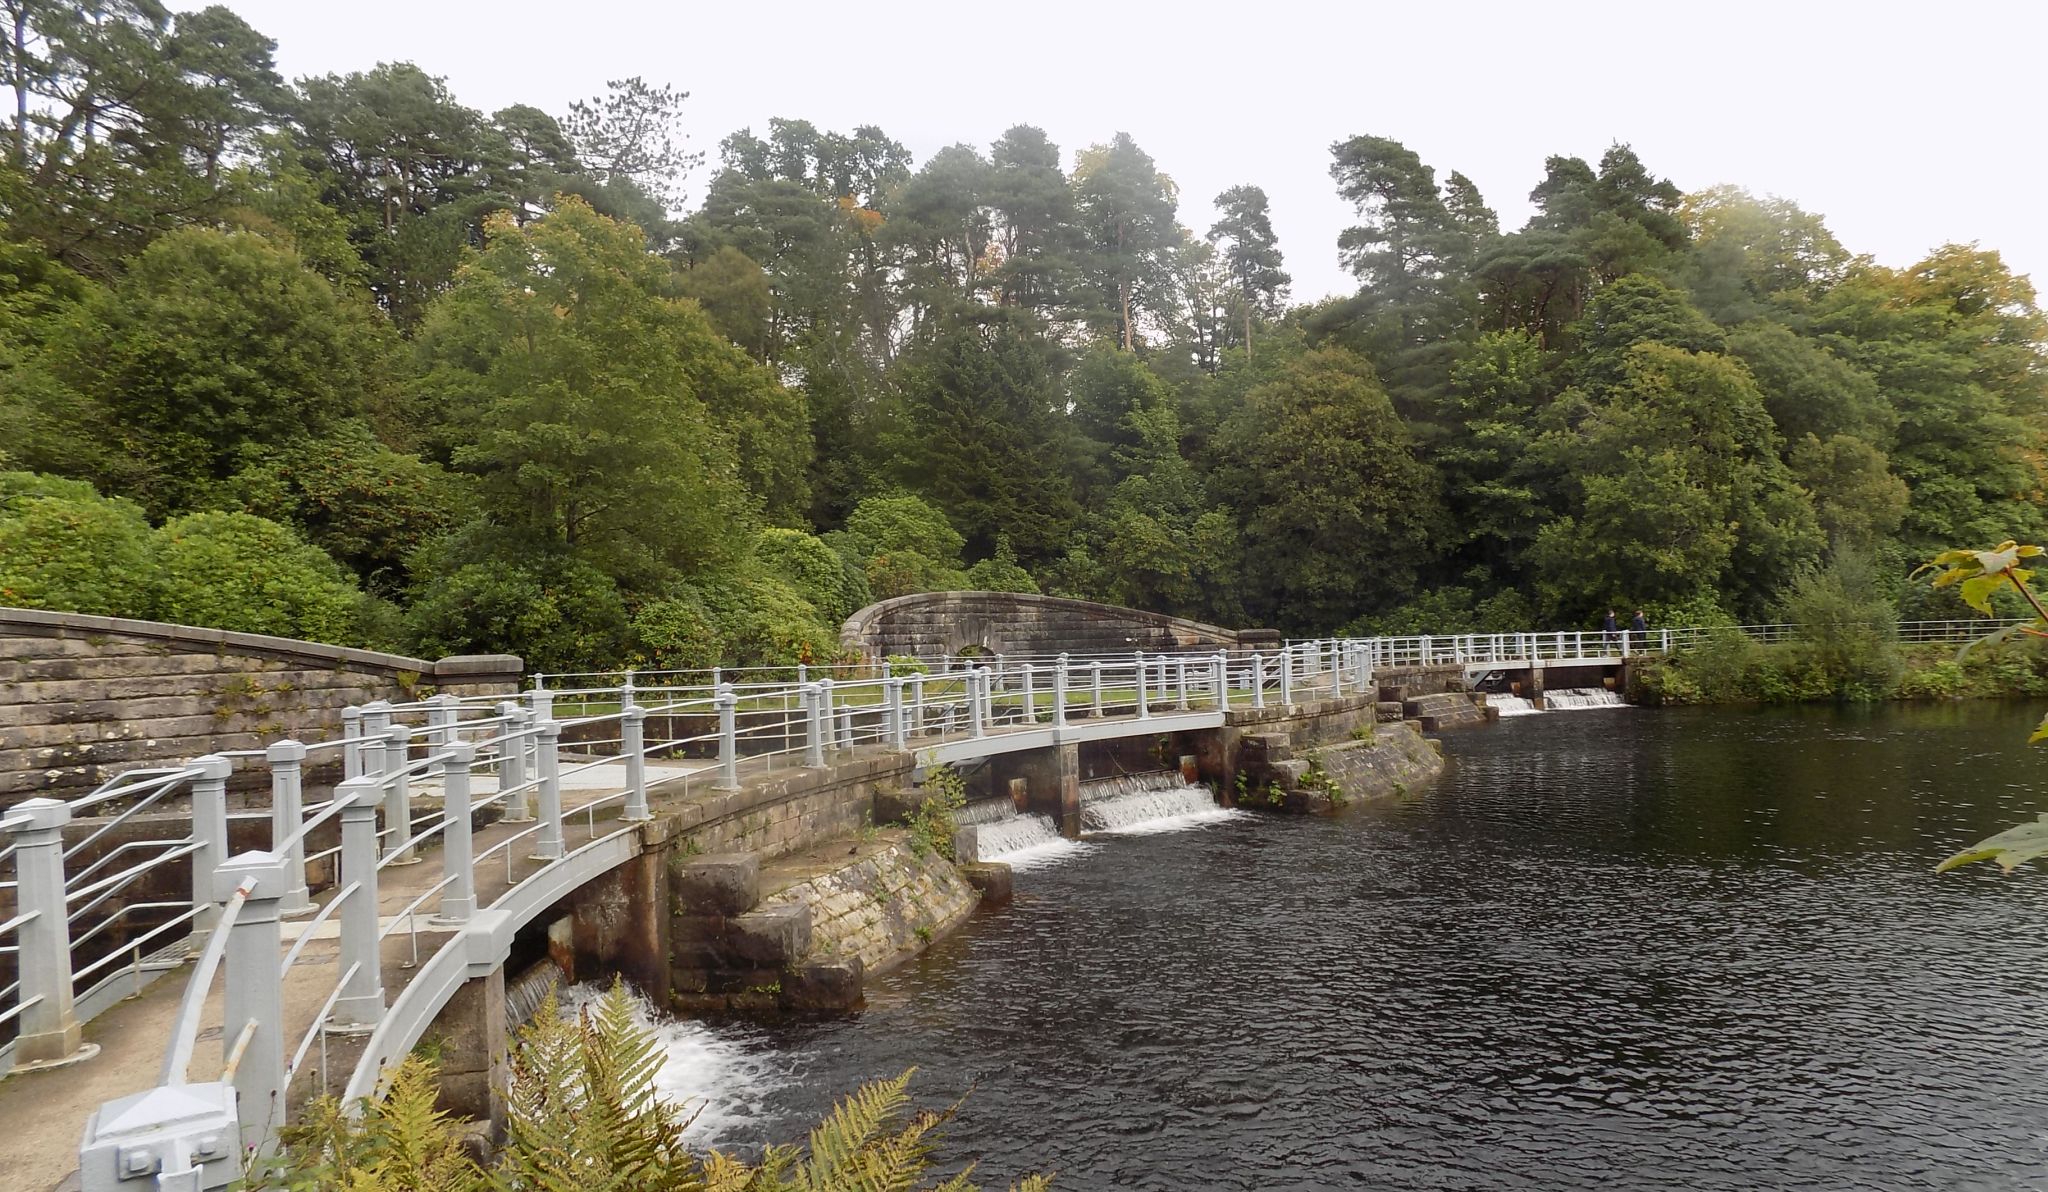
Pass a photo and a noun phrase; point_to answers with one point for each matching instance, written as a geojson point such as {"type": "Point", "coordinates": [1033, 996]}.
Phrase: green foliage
{"type": "Point", "coordinates": [237, 571]}
{"type": "Point", "coordinates": [676, 633]}
{"type": "Point", "coordinates": [932, 824]}
{"type": "Point", "coordinates": [65, 547]}
{"type": "Point", "coordinates": [762, 621]}
{"type": "Point", "coordinates": [1847, 628]}
{"type": "Point", "coordinates": [815, 571]}
{"type": "Point", "coordinates": [906, 664]}
{"type": "Point", "coordinates": [557, 613]}
{"type": "Point", "coordinates": [1000, 572]}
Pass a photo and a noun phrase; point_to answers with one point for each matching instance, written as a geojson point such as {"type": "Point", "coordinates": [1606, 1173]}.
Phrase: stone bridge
{"type": "Point", "coordinates": [951, 625]}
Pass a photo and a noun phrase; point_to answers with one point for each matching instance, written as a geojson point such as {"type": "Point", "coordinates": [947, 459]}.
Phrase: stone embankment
{"type": "Point", "coordinates": [1305, 779]}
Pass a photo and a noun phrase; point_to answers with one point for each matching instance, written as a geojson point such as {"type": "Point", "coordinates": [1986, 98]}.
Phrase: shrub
{"type": "Point", "coordinates": [556, 613]}
{"type": "Point", "coordinates": [1940, 680]}
{"type": "Point", "coordinates": [676, 633]}
{"type": "Point", "coordinates": [902, 572]}
{"type": "Point", "coordinates": [65, 547]}
{"type": "Point", "coordinates": [1001, 573]}
{"type": "Point", "coordinates": [815, 571]}
{"type": "Point", "coordinates": [1847, 630]}
{"type": "Point", "coordinates": [903, 523]}
{"type": "Point", "coordinates": [762, 621]}
{"type": "Point", "coordinates": [932, 825]}
{"type": "Point", "coordinates": [241, 572]}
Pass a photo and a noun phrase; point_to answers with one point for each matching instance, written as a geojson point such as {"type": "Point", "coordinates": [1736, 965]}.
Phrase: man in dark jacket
{"type": "Point", "coordinates": [1610, 630]}
{"type": "Point", "coordinates": [1641, 625]}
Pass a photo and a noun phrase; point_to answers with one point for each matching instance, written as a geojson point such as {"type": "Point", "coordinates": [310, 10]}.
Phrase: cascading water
{"type": "Point", "coordinates": [1021, 841]}
{"type": "Point", "coordinates": [1512, 705]}
{"type": "Point", "coordinates": [1572, 699]}
{"type": "Point", "coordinates": [721, 1075]}
{"type": "Point", "coordinates": [1137, 804]}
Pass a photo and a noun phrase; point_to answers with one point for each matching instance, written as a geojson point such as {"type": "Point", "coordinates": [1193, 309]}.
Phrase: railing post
{"type": "Point", "coordinates": [1287, 675]}
{"type": "Point", "coordinates": [977, 677]}
{"type": "Point", "coordinates": [828, 714]}
{"type": "Point", "coordinates": [1095, 684]}
{"type": "Point", "coordinates": [814, 736]}
{"type": "Point", "coordinates": [1138, 670]}
{"type": "Point", "coordinates": [351, 742]}
{"type": "Point", "coordinates": [1258, 680]}
{"type": "Point", "coordinates": [441, 716]}
{"type": "Point", "coordinates": [375, 723]}
{"type": "Point", "coordinates": [1667, 640]}
{"type": "Point", "coordinates": [1180, 676]}
{"type": "Point", "coordinates": [547, 845]}
{"type": "Point", "coordinates": [287, 760]}
{"type": "Point", "coordinates": [361, 1005]}
{"type": "Point", "coordinates": [917, 704]}
{"type": "Point", "coordinates": [398, 794]}
{"type": "Point", "coordinates": [458, 864]}
{"type": "Point", "coordinates": [633, 743]}
{"type": "Point", "coordinates": [626, 690]}
{"type": "Point", "coordinates": [899, 725]}
{"type": "Point", "coordinates": [254, 994]}
{"type": "Point", "coordinates": [1222, 681]}
{"type": "Point", "coordinates": [1059, 694]}
{"type": "Point", "coordinates": [1337, 669]}
{"type": "Point", "coordinates": [728, 739]}
{"type": "Point", "coordinates": [49, 1022]}
{"type": "Point", "coordinates": [210, 835]}
{"type": "Point", "coordinates": [512, 764]}
{"type": "Point", "coordinates": [1030, 692]}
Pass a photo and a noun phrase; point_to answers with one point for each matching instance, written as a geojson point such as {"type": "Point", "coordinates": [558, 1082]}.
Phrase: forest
{"type": "Point", "coordinates": [345, 359]}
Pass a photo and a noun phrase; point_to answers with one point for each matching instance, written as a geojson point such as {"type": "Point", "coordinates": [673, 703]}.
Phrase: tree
{"type": "Point", "coordinates": [1125, 209]}
{"type": "Point", "coordinates": [628, 138]}
{"type": "Point", "coordinates": [1320, 476]}
{"type": "Point", "coordinates": [1251, 255]}
{"type": "Point", "coordinates": [236, 571]}
{"type": "Point", "coordinates": [579, 396]}
{"type": "Point", "coordinates": [1035, 239]}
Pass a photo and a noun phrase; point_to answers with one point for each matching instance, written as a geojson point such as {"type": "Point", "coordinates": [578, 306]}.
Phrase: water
{"type": "Point", "coordinates": [1137, 804]}
{"type": "Point", "coordinates": [1512, 705]}
{"type": "Point", "coordinates": [1023, 841]}
{"type": "Point", "coordinates": [1677, 949]}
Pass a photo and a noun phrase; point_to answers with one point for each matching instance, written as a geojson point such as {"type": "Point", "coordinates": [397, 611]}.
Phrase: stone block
{"type": "Point", "coordinates": [894, 805]}
{"type": "Point", "coordinates": [717, 885]}
{"type": "Point", "coordinates": [772, 937]}
{"type": "Point", "coordinates": [824, 987]}
{"type": "Point", "coordinates": [993, 878]}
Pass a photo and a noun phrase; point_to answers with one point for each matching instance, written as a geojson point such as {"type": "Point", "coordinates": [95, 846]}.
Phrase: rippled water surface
{"type": "Point", "coordinates": [1614, 949]}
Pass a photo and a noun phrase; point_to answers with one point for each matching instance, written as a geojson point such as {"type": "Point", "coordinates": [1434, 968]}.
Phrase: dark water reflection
{"type": "Point", "coordinates": [1611, 949]}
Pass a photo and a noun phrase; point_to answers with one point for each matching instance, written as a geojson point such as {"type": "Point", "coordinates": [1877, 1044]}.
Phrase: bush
{"type": "Point", "coordinates": [762, 621]}
{"type": "Point", "coordinates": [676, 633]}
{"type": "Point", "coordinates": [65, 547]}
{"type": "Point", "coordinates": [556, 613]}
{"type": "Point", "coordinates": [902, 572]}
{"type": "Point", "coordinates": [881, 525]}
{"type": "Point", "coordinates": [1848, 632]}
{"type": "Point", "coordinates": [815, 571]}
{"type": "Point", "coordinates": [1940, 680]}
{"type": "Point", "coordinates": [241, 572]}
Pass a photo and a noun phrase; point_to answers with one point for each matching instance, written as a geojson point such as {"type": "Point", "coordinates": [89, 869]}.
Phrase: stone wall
{"type": "Point", "coordinates": [935, 625]}
{"type": "Point", "coordinates": [83, 698]}
{"type": "Point", "coordinates": [1283, 775]}
{"type": "Point", "coordinates": [883, 907]}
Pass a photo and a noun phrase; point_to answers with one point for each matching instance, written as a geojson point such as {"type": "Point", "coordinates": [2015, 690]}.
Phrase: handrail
{"type": "Point", "coordinates": [185, 1027]}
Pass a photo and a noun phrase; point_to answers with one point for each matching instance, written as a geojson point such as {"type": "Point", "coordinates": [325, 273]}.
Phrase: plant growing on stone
{"type": "Point", "coordinates": [1978, 575]}
{"type": "Point", "coordinates": [932, 825]}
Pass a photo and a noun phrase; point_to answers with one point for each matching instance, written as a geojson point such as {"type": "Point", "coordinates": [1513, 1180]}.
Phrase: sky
{"type": "Point", "coordinates": [1906, 125]}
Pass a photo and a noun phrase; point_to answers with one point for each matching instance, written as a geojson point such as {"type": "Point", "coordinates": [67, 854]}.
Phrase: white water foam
{"type": "Point", "coordinates": [1574, 699]}
{"type": "Point", "coordinates": [724, 1074]}
{"type": "Point", "coordinates": [1144, 804]}
{"type": "Point", "coordinates": [1023, 841]}
{"type": "Point", "coordinates": [1512, 705]}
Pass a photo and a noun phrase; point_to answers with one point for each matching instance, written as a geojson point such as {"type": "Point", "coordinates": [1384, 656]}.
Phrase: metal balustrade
{"type": "Point", "coordinates": [502, 795]}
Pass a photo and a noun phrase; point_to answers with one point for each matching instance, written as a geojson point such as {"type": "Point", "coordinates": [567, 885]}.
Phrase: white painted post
{"type": "Point", "coordinates": [210, 835]}
{"type": "Point", "coordinates": [1138, 668]}
{"type": "Point", "coordinates": [1180, 671]}
{"type": "Point", "coordinates": [512, 764]}
{"type": "Point", "coordinates": [361, 1005]}
{"type": "Point", "coordinates": [917, 705]}
{"type": "Point", "coordinates": [351, 738]}
{"type": "Point", "coordinates": [375, 723]}
{"type": "Point", "coordinates": [976, 679]}
{"type": "Point", "coordinates": [49, 1022]}
{"type": "Point", "coordinates": [1667, 640]}
{"type": "Point", "coordinates": [1030, 692]}
{"type": "Point", "coordinates": [255, 993]}
{"type": "Point", "coordinates": [398, 795]}
{"type": "Point", "coordinates": [1059, 694]}
{"type": "Point", "coordinates": [548, 844]}
{"type": "Point", "coordinates": [1222, 681]}
{"type": "Point", "coordinates": [287, 760]}
{"type": "Point", "coordinates": [899, 724]}
{"type": "Point", "coordinates": [633, 744]}
{"type": "Point", "coordinates": [728, 739]}
{"type": "Point", "coordinates": [814, 734]}
{"type": "Point", "coordinates": [828, 715]}
{"type": "Point", "coordinates": [458, 864]}
{"type": "Point", "coordinates": [1336, 670]}
{"type": "Point", "coordinates": [1095, 683]}
{"type": "Point", "coordinates": [1287, 675]}
{"type": "Point", "coordinates": [441, 715]}
{"type": "Point", "coordinates": [1258, 680]}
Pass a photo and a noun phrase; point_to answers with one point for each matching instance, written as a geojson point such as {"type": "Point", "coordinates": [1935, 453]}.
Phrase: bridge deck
{"type": "Point", "coordinates": [45, 1110]}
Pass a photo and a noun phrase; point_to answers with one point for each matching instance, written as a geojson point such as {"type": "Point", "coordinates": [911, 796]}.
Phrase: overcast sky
{"type": "Point", "coordinates": [1906, 125]}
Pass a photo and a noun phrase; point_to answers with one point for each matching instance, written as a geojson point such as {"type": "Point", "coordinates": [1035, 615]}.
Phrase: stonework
{"type": "Point", "coordinates": [83, 698]}
{"type": "Point", "coordinates": [1281, 775]}
{"type": "Point", "coordinates": [936, 625]}
{"type": "Point", "coordinates": [882, 908]}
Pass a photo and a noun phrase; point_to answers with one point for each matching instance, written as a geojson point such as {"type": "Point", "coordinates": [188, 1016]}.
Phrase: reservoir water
{"type": "Point", "coordinates": [1610, 949]}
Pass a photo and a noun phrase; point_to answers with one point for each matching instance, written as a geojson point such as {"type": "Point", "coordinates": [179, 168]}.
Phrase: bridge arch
{"type": "Point", "coordinates": [937, 625]}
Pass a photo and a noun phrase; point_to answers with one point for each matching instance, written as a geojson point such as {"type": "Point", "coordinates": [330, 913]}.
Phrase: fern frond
{"type": "Point", "coordinates": [836, 1142]}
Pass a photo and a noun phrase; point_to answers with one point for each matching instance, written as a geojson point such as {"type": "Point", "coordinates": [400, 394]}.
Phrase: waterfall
{"type": "Point", "coordinates": [1021, 841]}
{"type": "Point", "coordinates": [1139, 804]}
{"type": "Point", "coordinates": [525, 993]}
{"type": "Point", "coordinates": [1573, 699]}
{"type": "Point", "coordinates": [722, 1075]}
{"type": "Point", "coordinates": [985, 811]}
{"type": "Point", "coordinates": [1512, 705]}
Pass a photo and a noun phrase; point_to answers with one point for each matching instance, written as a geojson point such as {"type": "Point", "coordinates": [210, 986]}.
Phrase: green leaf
{"type": "Point", "coordinates": [2011, 848]}
{"type": "Point", "coordinates": [1978, 589]}
{"type": "Point", "coordinates": [2040, 733]}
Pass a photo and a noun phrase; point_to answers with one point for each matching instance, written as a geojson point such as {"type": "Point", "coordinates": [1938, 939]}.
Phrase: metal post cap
{"type": "Point", "coordinates": [213, 766]}
{"type": "Point", "coordinates": [284, 752]}
{"type": "Point", "coordinates": [42, 814]}
{"type": "Point", "coordinates": [358, 794]}
{"type": "Point", "coordinates": [270, 871]}
{"type": "Point", "coordinates": [461, 753]}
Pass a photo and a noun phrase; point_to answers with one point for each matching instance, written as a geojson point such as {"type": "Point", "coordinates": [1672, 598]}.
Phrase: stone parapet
{"type": "Point", "coordinates": [936, 625]}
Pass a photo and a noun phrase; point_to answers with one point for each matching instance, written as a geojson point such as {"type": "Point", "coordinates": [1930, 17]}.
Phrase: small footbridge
{"type": "Point", "coordinates": [252, 928]}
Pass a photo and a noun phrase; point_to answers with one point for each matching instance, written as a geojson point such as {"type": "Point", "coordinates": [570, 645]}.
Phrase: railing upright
{"type": "Point", "coordinates": [548, 844]}
{"type": "Point", "coordinates": [441, 716]}
{"type": "Point", "coordinates": [1180, 678]}
{"type": "Point", "coordinates": [1222, 681]}
{"type": "Point", "coordinates": [398, 794]}
{"type": "Point", "coordinates": [210, 837]}
{"type": "Point", "coordinates": [1095, 685]}
{"type": "Point", "coordinates": [1287, 676]}
{"type": "Point", "coordinates": [50, 1030]}
{"type": "Point", "coordinates": [917, 705]}
{"type": "Point", "coordinates": [814, 733]}
{"type": "Point", "coordinates": [252, 1019]}
{"type": "Point", "coordinates": [899, 736]}
{"type": "Point", "coordinates": [828, 714]}
{"type": "Point", "coordinates": [1138, 668]}
{"type": "Point", "coordinates": [728, 739]}
{"type": "Point", "coordinates": [1059, 693]}
{"type": "Point", "coordinates": [633, 745]}
{"type": "Point", "coordinates": [361, 1005]}
{"type": "Point", "coordinates": [1258, 681]}
{"type": "Point", "coordinates": [458, 864]}
{"type": "Point", "coordinates": [512, 764]}
{"type": "Point", "coordinates": [351, 742]}
{"type": "Point", "coordinates": [1030, 693]}
{"type": "Point", "coordinates": [287, 760]}
{"type": "Point", "coordinates": [976, 678]}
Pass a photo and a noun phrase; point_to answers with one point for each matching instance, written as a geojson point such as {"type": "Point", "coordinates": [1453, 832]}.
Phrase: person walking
{"type": "Point", "coordinates": [1641, 625]}
{"type": "Point", "coordinates": [1610, 630]}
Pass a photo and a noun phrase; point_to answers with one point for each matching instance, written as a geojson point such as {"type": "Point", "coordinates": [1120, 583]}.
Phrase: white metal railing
{"type": "Point", "coordinates": [575, 756]}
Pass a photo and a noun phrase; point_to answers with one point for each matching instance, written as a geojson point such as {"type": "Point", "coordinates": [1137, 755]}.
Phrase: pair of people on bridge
{"type": "Point", "coordinates": [1610, 629]}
